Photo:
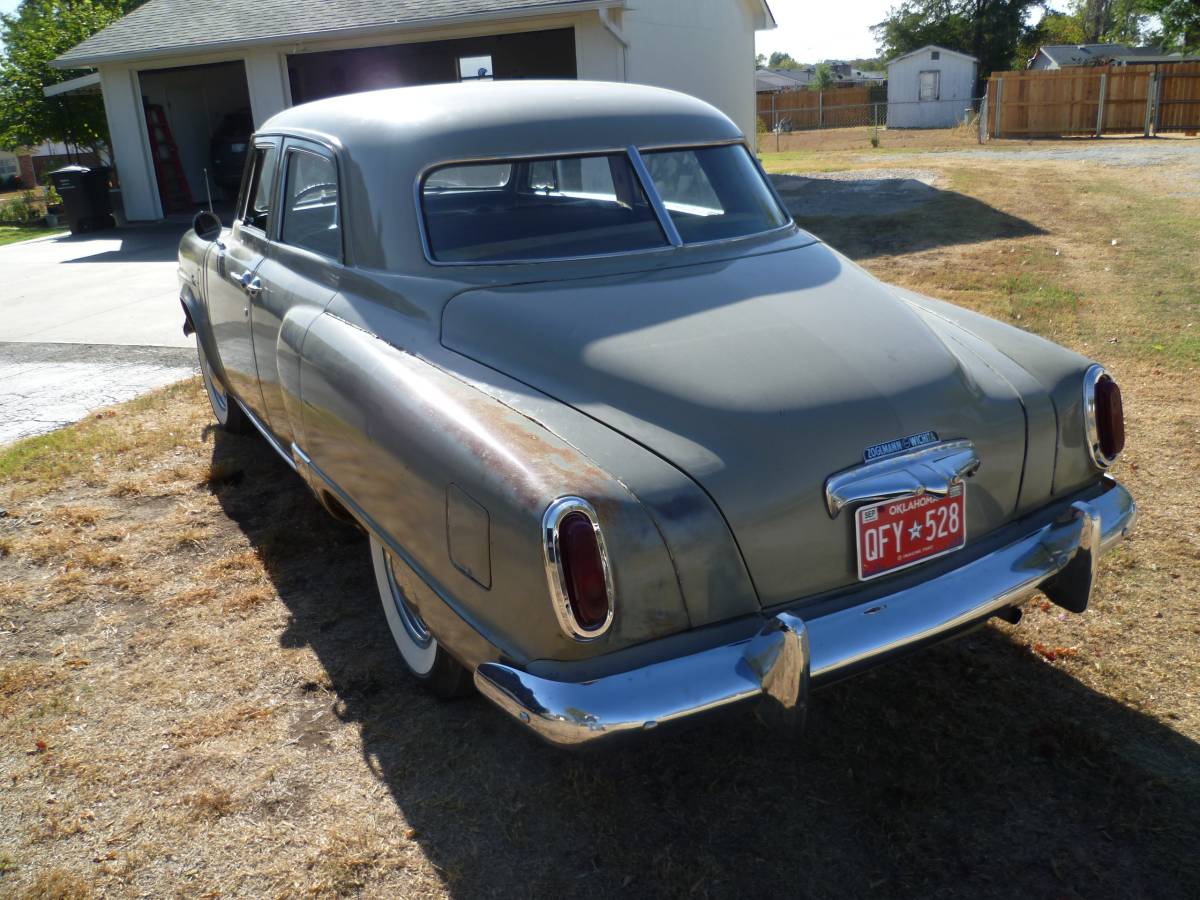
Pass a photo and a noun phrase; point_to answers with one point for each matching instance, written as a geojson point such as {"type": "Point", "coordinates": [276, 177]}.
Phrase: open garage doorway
{"type": "Point", "coordinates": [197, 120]}
{"type": "Point", "coordinates": [529, 54]}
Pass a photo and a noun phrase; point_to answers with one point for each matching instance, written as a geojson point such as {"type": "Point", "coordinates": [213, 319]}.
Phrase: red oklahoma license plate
{"type": "Point", "coordinates": [896, 534]}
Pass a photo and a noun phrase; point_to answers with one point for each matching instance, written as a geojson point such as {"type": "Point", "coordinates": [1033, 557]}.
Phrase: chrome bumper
{"type": "Point", "coordinates": [790, 655]}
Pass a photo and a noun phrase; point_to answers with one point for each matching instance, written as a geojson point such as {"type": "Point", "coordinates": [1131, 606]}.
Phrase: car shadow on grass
{"type": "Point", "coordinates": [866, 218]}
{"type": "Point", "coordinates": [971, 769]}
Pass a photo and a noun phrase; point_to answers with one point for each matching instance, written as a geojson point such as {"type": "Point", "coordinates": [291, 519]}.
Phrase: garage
{"type": "Point", "coordinates": [197, 120]}
{"type": "Point", "coordinates": [530, 54]}
{"type": "Point", "coordinates": [202, 70]}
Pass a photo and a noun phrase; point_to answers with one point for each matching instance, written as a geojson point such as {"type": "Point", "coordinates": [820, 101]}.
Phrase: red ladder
{"type": "Point", "coordinates": [172, 184]}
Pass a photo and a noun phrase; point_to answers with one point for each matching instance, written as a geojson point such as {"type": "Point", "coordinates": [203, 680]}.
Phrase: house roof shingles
{"type": "Point", "coordinates": [169, 27]}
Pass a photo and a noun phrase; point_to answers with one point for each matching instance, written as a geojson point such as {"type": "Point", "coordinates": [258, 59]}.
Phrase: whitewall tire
{"type": "Point", "coordinates": [226, 410]}
{"type": "Point", "coordinates": [419, 650]}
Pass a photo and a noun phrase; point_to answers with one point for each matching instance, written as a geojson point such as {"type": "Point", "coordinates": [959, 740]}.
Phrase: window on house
{"type": "Point", "coordinates": [935, 54]}
{"type": "Point", "coordinates": [475, 68]}
{"type": "Point", "coordinates": [310, 215]}
{"type": "Point", "coordinates": [930, 85]}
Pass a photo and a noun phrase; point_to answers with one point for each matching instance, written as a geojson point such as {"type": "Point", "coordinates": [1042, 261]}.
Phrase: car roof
{"type": "Point", "coordinates": [505, 118]}
{"type": "Point", "coordinates": [387, 139]}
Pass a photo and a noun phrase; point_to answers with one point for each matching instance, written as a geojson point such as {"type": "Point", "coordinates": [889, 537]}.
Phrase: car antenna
{"type": "Point", "coordinates": [207, 189]}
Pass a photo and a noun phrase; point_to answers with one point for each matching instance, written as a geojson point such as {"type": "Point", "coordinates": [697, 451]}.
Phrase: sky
{"type": "Point", "coordinates": [813, 30]}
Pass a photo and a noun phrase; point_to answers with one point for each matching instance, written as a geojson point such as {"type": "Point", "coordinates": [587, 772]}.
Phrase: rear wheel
{"type": "Point", "coordinates": [228, 414]}
{"type": "Point", "coordinates": [428, 662]}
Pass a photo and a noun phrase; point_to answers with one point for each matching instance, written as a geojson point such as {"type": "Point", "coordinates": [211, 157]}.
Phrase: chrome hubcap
{"type": "Point", "coordinates": [412, 622]}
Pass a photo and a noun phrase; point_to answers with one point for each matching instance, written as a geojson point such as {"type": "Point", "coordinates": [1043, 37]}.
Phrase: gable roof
{"type": "Point", "coordinates": [933, 47]}
{"type": "Point", "coordinates": [1069, 55]}
{"type": "Point", "coordinates": [171, 27]}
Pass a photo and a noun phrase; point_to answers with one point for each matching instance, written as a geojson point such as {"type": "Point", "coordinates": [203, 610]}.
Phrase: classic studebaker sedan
{"type": "Point", "coordinates": [630, 446]}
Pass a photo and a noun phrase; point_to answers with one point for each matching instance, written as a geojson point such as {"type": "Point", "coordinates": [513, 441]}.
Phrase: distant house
{"type": "Point", "coordinates": [772, 81]}
{"type": "Point", "coordinates": [930, 88]}
{"type": "Point", "coordinates": [1069, 56]}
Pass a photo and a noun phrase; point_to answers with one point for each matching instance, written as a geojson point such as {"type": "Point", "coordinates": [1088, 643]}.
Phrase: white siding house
{"type": "Point", "coordinates": [201, 65]}
{"type": "Point", "coordinates": [930, 88]}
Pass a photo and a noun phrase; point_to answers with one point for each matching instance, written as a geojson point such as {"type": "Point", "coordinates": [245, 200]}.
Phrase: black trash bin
{"type": "Point", "coordinates": [84, 194]}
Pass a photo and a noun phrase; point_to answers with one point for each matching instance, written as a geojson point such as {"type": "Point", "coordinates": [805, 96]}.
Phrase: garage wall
{"type": "Point", "coordinates": [131, 151]}
{"type": "Point", "coordinates": [700, 47]}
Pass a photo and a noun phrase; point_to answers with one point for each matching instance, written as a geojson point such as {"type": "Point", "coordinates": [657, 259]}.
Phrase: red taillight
{"type": "Point", "coordinates": [583, 570]}
{"type": "Point", "coordinates": [1110, 418]}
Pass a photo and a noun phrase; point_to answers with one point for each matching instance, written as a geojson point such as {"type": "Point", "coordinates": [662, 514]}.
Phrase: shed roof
{"type": "Point", "coordinates": [921, 50]}
{"type": "Point", "coordinates": [168, 27]}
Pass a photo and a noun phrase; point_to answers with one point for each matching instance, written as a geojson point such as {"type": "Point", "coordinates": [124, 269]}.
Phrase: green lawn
{"type": "Point", "coordinates": [10, 234]}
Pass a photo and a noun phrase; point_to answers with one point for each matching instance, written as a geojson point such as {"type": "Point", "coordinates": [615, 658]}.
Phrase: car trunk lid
{"type": "Point", "coordinates": [759, 378]}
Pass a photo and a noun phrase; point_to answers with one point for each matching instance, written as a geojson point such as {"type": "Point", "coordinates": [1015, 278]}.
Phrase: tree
{"type": "Point", "coordinates": [822, 77]}
{"type": "Point", "coordinates": [989, 30]}
{"type": "Point", "coordinates": [1110, 21]}
{"type": "Point", "coordinates": [1054, 28]}
{"type": "Point", "coordinates": [35, 34]}
{"type": "Point", "coordinates": [781, 60]}
{"type": "Point", "coordinates": [1180, 20]}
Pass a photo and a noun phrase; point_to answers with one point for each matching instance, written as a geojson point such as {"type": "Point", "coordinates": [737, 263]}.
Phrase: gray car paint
{"type": "Point", "coordinates": [400, 382]}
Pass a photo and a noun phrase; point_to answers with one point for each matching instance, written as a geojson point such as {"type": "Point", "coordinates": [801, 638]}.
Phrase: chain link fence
{"type": "Point", "coordinates": [782, 119]}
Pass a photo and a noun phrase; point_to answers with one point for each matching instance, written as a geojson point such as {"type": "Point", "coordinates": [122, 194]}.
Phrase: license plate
{"type": "Point", "coordinates": [896, 534]}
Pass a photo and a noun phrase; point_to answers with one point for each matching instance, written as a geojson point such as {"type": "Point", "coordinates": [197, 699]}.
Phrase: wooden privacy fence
{"type": "Point", "coordinates": [803, 109]}
{"type": "Point", "coordinates": [1150, 99]}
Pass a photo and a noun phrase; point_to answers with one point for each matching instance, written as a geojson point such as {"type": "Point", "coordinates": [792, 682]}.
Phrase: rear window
{"type": "Point", "coordinates": [538, 209]}
{"type": "Point", "coordinates": [713, 193]}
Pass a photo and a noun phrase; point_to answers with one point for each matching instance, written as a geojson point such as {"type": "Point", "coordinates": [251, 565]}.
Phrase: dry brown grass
{"type": "Point", "coordinates": [199, 697]}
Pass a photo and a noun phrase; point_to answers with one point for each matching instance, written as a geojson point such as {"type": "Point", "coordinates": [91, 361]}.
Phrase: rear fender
{"type": "Point", "coordinates": [402, 443]}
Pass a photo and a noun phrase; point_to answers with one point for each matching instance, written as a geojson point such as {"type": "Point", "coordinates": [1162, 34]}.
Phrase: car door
{"type": "Point", "coordinates": [232, 272]}
{"type": "Point", "coordinates": [299, 277]}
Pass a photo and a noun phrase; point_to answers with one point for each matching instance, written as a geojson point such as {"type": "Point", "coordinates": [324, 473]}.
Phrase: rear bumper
{"type": "Point", "coordinates": [790, 655]}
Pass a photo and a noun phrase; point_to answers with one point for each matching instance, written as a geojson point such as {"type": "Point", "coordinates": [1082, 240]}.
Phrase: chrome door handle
{"type": "Point", "coordinates": [250, 284]}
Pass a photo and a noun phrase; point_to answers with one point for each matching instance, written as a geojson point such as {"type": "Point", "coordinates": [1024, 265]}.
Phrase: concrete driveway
{"type": "Point", "coordinates": [107, 287]}
{"type": "Point", "coordinates": [85, 322]}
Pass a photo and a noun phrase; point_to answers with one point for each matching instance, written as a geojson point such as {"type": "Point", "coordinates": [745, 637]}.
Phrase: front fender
{"type": "Point", "coordinates": [193, 255]}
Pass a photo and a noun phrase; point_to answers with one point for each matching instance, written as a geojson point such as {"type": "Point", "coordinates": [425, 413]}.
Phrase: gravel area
{"type": "Point", "coordinates": [858, 192]}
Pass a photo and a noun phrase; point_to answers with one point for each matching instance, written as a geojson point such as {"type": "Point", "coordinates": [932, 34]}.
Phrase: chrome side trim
{"type": "Point", "coordinates": [1090, 380]}
{"type": "Point", "coordinates": [789, 656]}
{"type": "Point", "coordinates": [932, 469]}
{"type": "Point", "coordinates": [556, 577]}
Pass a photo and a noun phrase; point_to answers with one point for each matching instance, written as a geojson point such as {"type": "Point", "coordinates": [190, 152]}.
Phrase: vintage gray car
{"type": "Point", "coordinates": [630, 446]}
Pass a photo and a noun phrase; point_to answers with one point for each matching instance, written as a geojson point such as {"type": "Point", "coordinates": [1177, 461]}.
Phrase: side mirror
{"type": "Point", "coordinates": [206, 225]}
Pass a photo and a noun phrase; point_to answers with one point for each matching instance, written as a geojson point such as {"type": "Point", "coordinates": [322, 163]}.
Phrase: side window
{"type": "Point", "coordinates": [310, 213]}
{"type": "Point", "coordinates": [257, 194]}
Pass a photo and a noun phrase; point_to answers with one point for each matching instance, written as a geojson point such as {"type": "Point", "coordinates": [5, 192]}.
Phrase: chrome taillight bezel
{"type": "Point", "coordinates": [1094, 444]}
{"type": "Point", "coordinates": [556, 577]}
